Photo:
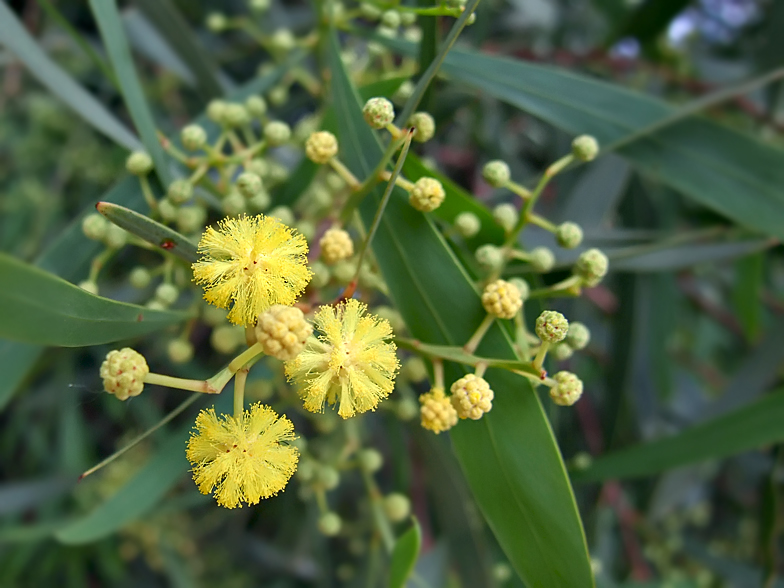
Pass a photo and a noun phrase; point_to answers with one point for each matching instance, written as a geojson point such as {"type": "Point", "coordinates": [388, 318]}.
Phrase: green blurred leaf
{"type": "Point", "coordinates": [39, 307]}
{"type": "Point", "coordinates": [404, 555]}
{"type": "Point", "coordinates": [151, 231]}
{"type": "Point", "coordinates": [747, 428]}
{"type": "Point", "coordinates": [14, 36]}
{"type": "Point", "coordinates": [113, 35]}
{"type": "Point", "coordinates": [509, 457]}
{"type": "Point", "coordinates": [746, 294]}
{"type": "Point", "coordinates": [649, 20]}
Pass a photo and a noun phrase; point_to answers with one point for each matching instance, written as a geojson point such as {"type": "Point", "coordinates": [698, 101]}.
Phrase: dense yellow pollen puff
{"type": "Point", "coordinates": [250, 263]}
{"type": "Point", "coordinates": [242, 459]}
{"type": "Point", "coordinates": [349, 363]}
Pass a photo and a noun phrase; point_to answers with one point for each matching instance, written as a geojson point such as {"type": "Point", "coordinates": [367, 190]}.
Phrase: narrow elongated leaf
{"type": "Point", "coordinates": [113, 35]}
{"type": "Point", "coordinates": [39, 307]}
{"type": "Point", "coordinates": [747, 428]}
{"type": "Point", "coordinates": [151, 231]}
{"type": "Point", "coordinates": [14, 36]}
{"type": "Point", "coordinates": [404, 555]}
{"type": "Point", "coordinates": [509, 457]}
{"type": "Point", "coordinates": [724, 170]}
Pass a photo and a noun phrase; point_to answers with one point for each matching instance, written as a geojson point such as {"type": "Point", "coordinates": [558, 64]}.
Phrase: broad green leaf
{"type": "Point", "coordinates": [722, 169]}
{"type": "Point", "coordinates": [113, 35]}
{"type": "Point", "coordinates": [151, 231]}
{"type": "Point", "coordinates": [404, 555]}
{"type": "Point", "coordinates": [746, 293]}
{"type": "Point", "coordinates": [15, 37]}
{"type": "Point", "coordinates": [747, 428]}
{"type": "Point", "coordinates": [39, 307]}
{"type": "Point", "coordinates": [509, 457]}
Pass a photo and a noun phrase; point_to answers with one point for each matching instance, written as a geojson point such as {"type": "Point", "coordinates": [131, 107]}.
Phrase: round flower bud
{"type": "Point", "coordinates": [471, 19]}
{"type": "Point", "coordinates": [551, 326]}
{"type": "Point", "coordinates": [179, 351]}
{"type": "Point", "coordinates": [320, 274]}
{"type": "Point", "coordinates": [283, 40]}
{"type": "Point", "coordinates": [585, 148]}
{"type": "Point", "coordinates": [329, 524]}
{"type": "Point", "coordinates": [562, 351]}
{"type": "Point", "coordinates": [369, 11]}
{"type": "Point", "coordinates": [407, 409]}
{"type": "Point", "coordinates": [567, 390]}
{"type": "Point", "coordinates": [569, 235]}
{"type": "Point", "coordinates": [425, 126]}
{"type": "Point", "coordinates": [155, 304]}
{"type": "Point", "coordinates": [496, 173]}
{"type": "Point", "coordinates": [541, 259]}
{"type": "Point", "coordinates": [193, 137]}
{"type": "Point", "coordinates": [277, 133]}
{"type": "Point", "coordinates": [522, 287]}
{"type": "Point", "coordinates": [437, 413]}
{"type": "Point", "coordinates": [139, 163]}
{"type": "Point", "coordinates": [139, 277]}
{"type": "Point", "coordinates": [167, 210]}
{"type": "Point", "coordinates": [284, 214]}
{"type": "Point", "coordinates": [94, 226]}
{"type": "Point", "coordinates": [334, 182]}
{"type": "Point", "coordinates": [501, 299]}
{"type": "Point", "coordinates": [582, 461]}
{"type": "Point", "coordinates": [490, 257]}
{"type": "Point", "coordinates": [89, 286]}
{"type": "Point", "coordinates": [307, 229]}
{"type": "Point", "coordinates": [378, 112]}
{"type": "Point", "coordinates": [233, 204]}
{"type": "Point", "coordinates": [414, 369]}
{"type": "Point", "coordinates": [249, 184]}
{"type": "Point", "coordinates": [213, 316]}
{"type": "Point", "coordinates": [390, 314]}
{"type": "Point", "coordinates": [216, 22]}
{"type": "Point", "coordinates": [115, 237]}
{"type": "Point", "coordinates": [235, 115]}
{"type": "Point", "coordinates": [260, 202]}
{"type": "Point", "coordinates": [578, 336]}
{"type": "Point", "coordinates": [404, 92]}
{"type": "Point", "coordinates": [321, 147]}
{"type": "Point", "coordinates": [179, 191]}
{"type": "Point", "coordinates": [216, 109]}
{"type": "Point", "coordinates": [191, 219]}
{"type": "Point", "coordinates": [258, 166]}
{"type": "Point", "coordinates": [123, 372]}
{"type": "Point", "coordinates": [306, 126]}
{"type": "Point", "coordinates": [412, 34]}
{"type": "Point", "coordinates": [167, 294]}
{"type": "Point", "coordinates": [256, 106]}
{"type": "Point", "coordinates": [306, 470]}
{"type": "Point", "coordinates": [328, 477]}
{"type": "Point", "coordinates": [427, 194]}
{"type": "Point", "coordinates": [407, 18]}
{"type": "Point", "coordinates": [343, 272]}
{"type": "Point", "coordinates": [506, 215]}
{"type": "Point", "coordinates": [471, 397]}
{"type": "Point", "coordinates": [591, 266]}
{"type": "Point", "coordinates": [467, 224]}
{"type": "Point", "coordinates": [336, 245]}
{"type": "Point", "coordinates": [278, 95]}
{"type": "Point", "coordinates": [225, 339]}
{"type": "Point", "coordinates": [282, 331]}
{"type": "Point", "coordinates": [397, 507]}
{"type": "Point", "coordinates": [259, 5]}
{"type": "Point", "coordinates": [370, 460]}
{"type": "Point", "coordinates": [391, 19]}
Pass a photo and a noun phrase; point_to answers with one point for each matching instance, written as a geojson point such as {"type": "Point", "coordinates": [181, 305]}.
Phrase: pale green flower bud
{"type": "Point", "coordinates": [427, 194]}
{"type": "Point", "coordinates": [278, 95]}
{"type": "Point", "coordinates": [591, 266]}
{"type": "Point", "coordinates": [277, 133]}
{"type": "Point", "coordinates": [94, 226]}
{"type": "Point", "coordinates": [506, 215]}
{"type": "Point", "coordinates": [233, 204]}
{"type": "Point", "coordinates": [235, 115]}
{"type": "Point", "coordinates": [259, 5]}
{"type": "Point", "coordinates": [496, 173]}
{"type": "Point", "coordinates": [585, 148]}
{"type": "Point", "coordinates": [328, 477]}
{"type": "Point", "coordinates": [320, 274]}
{"type": "Point", "coordinates": [414, 369]}
{"type": "Point", "coordinates": [334, 182]}
{"type": "Point", "coordinates": [226, 338]}
{"type": "Point", "coordinates": [284, 214]}
{"type": "Point", "coordinates": [277, 172]}
{"type": "Point", "coordinates": [139, 277]}
{"type": "Point", "coordinates": [258, 166]}
{"type": "Point", "coordinates": [387, 32]}
{"type": "Point", "coordinates": [370, 460]}
{"type": "Point", "coordinates": [393, 316]}
{"type": "Point", "coordinates": [407, 18]}
{"type": "Point", "coordinates": [249, 184]}
{"type": "Point", "coordinates": [213, 316]}
{"type": "Point", "coordinates": [256, 106]}
{"type": "Point", "coordinates": [490, 257]}
{"type": "Point", "coordinates": [155, 304]}
{"type": "Point", "coordinates": [307, 229]}
{"type": "Point", "coordinates": [562, 351]}
{"type": "Point", "coordinates": [321, 147]}
{"type": "Point", "coordinates": [412, 34]}
{"type": "Point", "coordinates": [541, 259]}
{"type": "Point", "coordinates": [123, 372]}
{"type": "Point", "coordinates": [167, 294]}
{"type": "Point", "coordinates": [567, 390]}
{"type": "Point", "coordinates": [569, 235]}
{"type": "Point", "coordinates": [378, 112]}
{"type": "Point", "coordinates": [582, 461]}
{"type": "Point", "coordinates": [139, 163]}
{"type": "Point", "coordinates": [369, 11]}
{"type": "Point", "coordinates": [191, 219]}
{"type": "Point", "coordinates": [305, 127]}
{"type": "Point", "coordinates": [467, 224]}
{"type": "Point", "coordinates": [115, 237]}
{"type": "Point", "coordinates": [407, 409]}
{"type": "Point", "coordinates": [471, 19]}
{"type": "Point", "coordinates": [216, 110]}
{"type": "Point", "coordinates": [404, 92]}
{"type": "Point", "coordinates": [167, 210]}
{"type": "Point", "coordinates": [397, 507]}
{"type": "Point", "coordinates": [283, 40]}
{"type": "Point", "coordinates": [343, 272]}
{"type": "Point", "coordinates": [578, 336]}
{"type": "Point", "coordinates": [391, 19]}
{"type": "Point", "coordinates": [425, 126]}
{"type": "Point", "coordinates": [522, 287]}
{"type": "Point", "coordinates": [179, 351]}
{"type": "Point", "coordinates": [89, 286]}
{"type": "Point", "coordinates": [180, 191]}
{"type": "Point", "coordinates": [193, 137]}
{"type": "Point", "coordinates": [329, 524]}
{"type": "Point", "coordinates": [502, 572]}
{"type": "Point", "coordinates": [551, 326]}
{"type": "Point", "coordinates": [217, 22]}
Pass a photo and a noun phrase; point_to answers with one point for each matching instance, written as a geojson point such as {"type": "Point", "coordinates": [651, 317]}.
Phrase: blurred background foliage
{"type": "Point", "coordinates": [687, 330]}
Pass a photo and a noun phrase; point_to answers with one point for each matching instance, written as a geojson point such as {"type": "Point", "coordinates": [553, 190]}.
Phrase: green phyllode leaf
{"type": "Point", "coordinates": [39, 307]}
{"type": "Point", "coordinates": [404, 555]}
{"type": "Point", "coordinates": [510, 457]}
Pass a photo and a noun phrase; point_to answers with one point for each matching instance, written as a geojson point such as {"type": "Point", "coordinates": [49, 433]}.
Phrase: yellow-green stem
{"type": "Point", "coordinates": [377, 508]}
{"type": "Point", "coordinates": [476, 338]}
{"type": "Point", "coordinates": [202, 386]}
{"type": "Point", "coordinates": [345, 173]}
{"type": "Point", "coordinates": [540, 355]}
{"type": "Point", "coordinates": [149, 197]}
{"type": "Point", "coordinates": [516, 188]}
{"type": "Point", "coordinates": [250, 353]}
{"type": "Point", "coordinates": [438, 373]}
{"type": "Point", "coordinates": [540, 221]}
{"type": "Point", "coordinates": [239, 391]}
{"type": "Point", "coordinates": [480, 370]}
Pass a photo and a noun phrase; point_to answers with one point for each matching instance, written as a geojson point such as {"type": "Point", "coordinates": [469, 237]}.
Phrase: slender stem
{"type": "Point", "coordinates": [567, 286]}
{"type": "Point", "coordinates": [540, 221]}
{"type": "Point", "coordinates": [480, 370]}
{"type": "Point", "coordinates": [400, 181]}
{"type": "Point", "coordinates": [438, 373]}
{"type": "Point", "coordinates": [540, 379]}
{"type": "Point", "coordinates": [345, 173]}
{"type": "Point", "coordinates": [149, 197]}
{"type": "Point", "coordinates": [99, 261]}
{"type": "Point", "coordinates": [540, 355]}
{"type": "Point", "coordinates": [202, 386]}
{"type": "Point", "coordinates": [476, 338]}
{"type": "Point", "coordinates": [238, 362]}
{"type": "Point", "coordinates": [377, 507]}
{"type": "Point", "coordinates": [516, 188]}
{"type": "Point", "coordinates": [239, 391]}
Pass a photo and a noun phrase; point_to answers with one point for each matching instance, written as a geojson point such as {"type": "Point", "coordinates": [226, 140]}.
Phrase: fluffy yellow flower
{"type": "Point", "coordinates": [350, 362]}
{"type": "Point", "coordinates": [244, 459]}
{"type": "Point", "coordinates": [251, 263]}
